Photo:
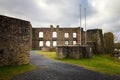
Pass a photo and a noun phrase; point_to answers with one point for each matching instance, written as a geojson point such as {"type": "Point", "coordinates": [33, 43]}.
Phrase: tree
{"type": "Point", "coordinates": [109, 42]}
{"type": "Point", "coordinates": [116, 38]}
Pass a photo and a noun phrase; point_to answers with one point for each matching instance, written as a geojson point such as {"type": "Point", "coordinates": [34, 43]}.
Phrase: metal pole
{"type": "Point", "coordinates": [80, 25]}
{"type": "Point", "coordinates": [85, 28]}
{"type": "Point", "coordinates": [80, 15]}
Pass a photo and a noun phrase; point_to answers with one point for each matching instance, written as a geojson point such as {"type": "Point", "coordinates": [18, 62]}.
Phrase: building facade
{"type": "Point", "coordinates": [51, 37]}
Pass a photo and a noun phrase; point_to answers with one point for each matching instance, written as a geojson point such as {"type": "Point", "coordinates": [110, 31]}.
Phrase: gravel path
{"type": "Point", "coordinates": [51, 70]}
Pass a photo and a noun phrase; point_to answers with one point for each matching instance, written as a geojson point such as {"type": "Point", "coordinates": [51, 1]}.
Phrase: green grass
{"type": "Point", "coordinates": [102, 63]}
{"type": "Point", "coordinates": [6, 73]}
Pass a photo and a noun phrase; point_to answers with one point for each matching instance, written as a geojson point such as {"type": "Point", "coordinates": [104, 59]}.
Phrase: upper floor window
{"type": "Point", "coordinates": [40, 34]}
{"type": "Point", "coordinates": [74, 35]}
{"type": "Point", "coordinates": [66, 35]}
{"type": "Point", "coordinates": [54, 34]}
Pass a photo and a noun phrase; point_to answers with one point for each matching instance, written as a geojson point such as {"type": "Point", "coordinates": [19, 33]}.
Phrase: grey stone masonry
{"type": "Point", "coordinates": [75, 52]}
{"type": "Point", "coordinates": [64, 36]}
{"type": "Point", "coordinates": [15, 41]}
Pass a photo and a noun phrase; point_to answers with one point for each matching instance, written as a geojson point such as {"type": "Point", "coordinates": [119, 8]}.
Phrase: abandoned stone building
{"type": "Point", "coordinates": [67, 40]}
{"type": "Point", "coordinates": [17, 38]}
{"type": "Point", "coordinates": [52, 37]}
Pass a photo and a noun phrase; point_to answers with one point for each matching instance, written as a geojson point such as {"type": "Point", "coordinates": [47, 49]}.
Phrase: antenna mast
{"type": "Point", "coordinates": [80, 25]}
{"type": "Point", "coordinates": [85, 27]}
{"type": "Point", "coordinates": [80, 14]}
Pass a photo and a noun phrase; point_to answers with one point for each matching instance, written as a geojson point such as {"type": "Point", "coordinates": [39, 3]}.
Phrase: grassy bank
{"type": "Point", "coordinates": [6, 73]}
{"type": "Point", "coordinates": [102, 63]}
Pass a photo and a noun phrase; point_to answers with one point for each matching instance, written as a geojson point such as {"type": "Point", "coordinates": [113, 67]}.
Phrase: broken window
{"type": "Point", "coordinates": [74, 42]}
{"type": "Point", "coordinates": [54, 43]}
{"type": "Point", "coordinates": [41, 44]}
{"type": "Point", "coordinates": [54, 34]}
{"type": "Point", "coordinates": [66, 42]}
{"type": "Point", "coordinates": [40, 34]}
{"type": "Point", "coordinates": [66, 35]}
{"type": "Point", "coordinates": [74, 35]}
{"type": "Point", "coordinates": [48, 43]}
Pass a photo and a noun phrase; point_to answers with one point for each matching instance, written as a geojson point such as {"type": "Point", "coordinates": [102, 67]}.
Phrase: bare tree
{"type": "Point", "coordinates": [116, 38]}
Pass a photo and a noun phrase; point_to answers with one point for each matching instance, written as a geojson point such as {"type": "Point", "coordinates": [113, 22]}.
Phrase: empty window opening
{"type": "Point", "coordinates": [66, 42]}
{"type": "Point", "coordinates": [54, 43]}
{"type": "Point", "coordinates": [66, 35]}
{"type": "Point", "coordinates": [74, 35]}
{"type": "Point", "coordinates": [48, 43]}
{"type": "Point", "coordinates": [74, 42]}
{"type": "Point", "coordinates": [41, 44]}
{"type": "Point", "coordinates": [54, 34]}
{"type": "Point", "coordinates": [40, 34]}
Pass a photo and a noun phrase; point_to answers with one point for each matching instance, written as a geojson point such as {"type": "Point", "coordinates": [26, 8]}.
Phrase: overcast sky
{"type": "Point", "coordinates": [103, 14]}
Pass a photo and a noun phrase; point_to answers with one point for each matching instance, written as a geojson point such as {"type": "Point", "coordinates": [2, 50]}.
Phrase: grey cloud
{"type": "Point", "coordinates": [63, 12]}
{"type": "Point", "coordinates": [17, 8]}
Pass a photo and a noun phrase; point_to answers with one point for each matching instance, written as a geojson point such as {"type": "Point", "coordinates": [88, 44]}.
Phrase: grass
{"type": "Point", "coordinates": [6, 73]}
{"type": "Point", "coordinates": [102, 63]}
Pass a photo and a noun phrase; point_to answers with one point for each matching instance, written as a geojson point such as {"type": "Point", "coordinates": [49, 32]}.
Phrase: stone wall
{"type": "Point", "coordinates": [95, 39]}
{"type": "Point", "coordinates": [75, 52]}
{"type": "Point", "coordinates": [15, 41]}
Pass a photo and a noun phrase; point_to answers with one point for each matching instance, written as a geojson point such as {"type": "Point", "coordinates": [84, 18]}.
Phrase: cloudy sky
{"type": "Point", "coordinates": [103, 14]}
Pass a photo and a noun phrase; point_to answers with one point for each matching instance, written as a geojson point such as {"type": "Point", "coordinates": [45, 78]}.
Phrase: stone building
{"type": "Point", "coordinates": [15, 41]}
{"type": "Point", "coordinates": [50, 37]}
{"type": "Point", "coordinates": [93, 44]}
{"type": "Point", "coordinates": [17, 37]}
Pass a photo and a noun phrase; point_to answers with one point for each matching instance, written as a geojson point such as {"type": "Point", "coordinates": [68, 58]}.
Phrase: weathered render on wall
{"type": "Point", "coordinates": [60, 38]}
{"type": "Point", "coordinates": [15, 41]}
